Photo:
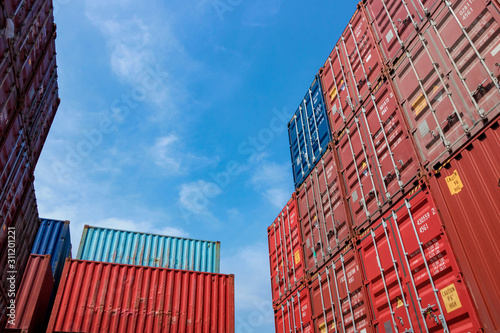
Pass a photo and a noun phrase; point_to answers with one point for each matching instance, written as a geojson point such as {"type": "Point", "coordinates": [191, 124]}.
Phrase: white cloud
{"type": "Point", "coordinates": [195, 196]}
{"type": "Point", "coordinates": [163, 153]}
{"type": "Point", "coordinates": [272, 180]}
{"type": "Point", "coordinates": [250, 265]}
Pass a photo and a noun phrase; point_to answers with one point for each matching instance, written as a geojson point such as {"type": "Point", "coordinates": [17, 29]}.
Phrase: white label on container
{"type": "Point", "coordinates": [368, 58]}
{"type": "Point", "coordinates": [389, 36]}
{"type": "Point", "coordinates": [354, 196]}
{"type": "Point", "coordinates": [495, 50]}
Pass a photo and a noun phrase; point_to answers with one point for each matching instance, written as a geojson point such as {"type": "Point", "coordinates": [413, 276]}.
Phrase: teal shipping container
{"type": "Point", "coordinates": [137, 248]}
{"type": "Point", "coordinates": [53, 238]}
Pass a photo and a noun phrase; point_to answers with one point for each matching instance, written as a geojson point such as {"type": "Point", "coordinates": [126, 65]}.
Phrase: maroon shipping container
{"type": "Point", "coordinates": [4, 311]}
{"type": "Point", "coordinates": [293, 315]}
{"type": "Point", "coordinates": [322, 213]}
{"type": "Point", "coordinates": [467, 191]}
{"type": "Point", "coordinates": [141, 299]}
{"type": "Point", "coordinates": [336, 300]}
{"type": "Point", "coordinates": [33, 297]}
{"type": "Point", "coordinates": [285, 252]}
{"type": "Point", "coordinates": [353, 67]}
{"type": "Point", "coordinates": [413, 279]}
{"type": "Point", "coordinates": [25, 224]}
{"type": "Point", "coordinates": [15, 175]}
{"type": "Point", "coordinates": [35, 28]}
{"type": "Point", "coordinates": [8, 96]}
{"type": "Point", "coordinates": [394, 23]}
{"type": "Point", "coordinates": [433, 82]}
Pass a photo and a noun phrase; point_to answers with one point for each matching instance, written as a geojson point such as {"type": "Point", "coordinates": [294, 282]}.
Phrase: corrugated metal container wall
{"type": "Point", "coordinates": [411, 272]}
{"type": "Point", "coordinates": [285, 252]}
{"type": "Point", "coordinates": [54, 238]}
{"type": "Point", "coordinates": [323, 215]}
{"type": "Point", "coordinates": [467, 190]}
{"type": "Point", "coordinates": [294, 313]}
{"type": "Point", "coordinates": [3, 310]}
{"type": "Point", "coordinates": [444, 108]}
{"type": "Point", "coordinates": [141, 299]}
{"type": "Point", "coordinates": [308, 132]}
{"type": "Point", "coordinates": [136, 248]}
{"type": "Point", "coordinates": [8, 93]}
{"type": "Point", "coordinates": [25, 224]}
{"type": "Point", "coordinates": [32, 299]}
{"type": "Point", "coordinates": [338, 294]}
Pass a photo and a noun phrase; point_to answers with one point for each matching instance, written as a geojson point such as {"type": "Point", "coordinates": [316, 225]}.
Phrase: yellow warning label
{"type": "Point", "coordinates": [400, 303]}
{"type": "Point", "coordinates": [454, 183]}
{"type": "Point", "coordinates": [419, 104]}
{"type": "Point", "coordinates": [297, 257]}
{"type": "Point", "coordinates": [333, 326]}
{"type": "Point", "coordinates": [450, 298]}
{"type": "Point", "coordinates": [322, 328]}
{"type": "Point", "coordinates": [333, 93]}
{"type": "Point", "coordinates": [363, 165]}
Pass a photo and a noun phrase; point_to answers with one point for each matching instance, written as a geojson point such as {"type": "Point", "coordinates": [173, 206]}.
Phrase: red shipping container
{"type": "Point", "coordinates": [413, 278]}
{"type": "Point", "coordinates": [322, 213]}
{"type": "Point", "coordinates": [337, 299]}
{"type": "Point", "coordinates": [141, 299]}
{"type": "Point", "coordinates": [33, 297]}
{"type": "Point", "coordinates": [294, 313]}
{"type": "Point", "coordinates": [467, 192]}
{"type": "Point", "coordinates": [25, 224]}
{"type": "Point", "coordinates": [285, 252]}
{"type": "Point", "coordinates": [353, 67]}
{"type": "Point", "coordinates": [15, 175]}
{"type": "Point", "coordinates": [442, 108]}
{"type": "Point", "coordinates": [394, 21]}
{"type": "Point", "coordinates": [4, 311]}
{"type": "Point", "coordinates": [8, 96]}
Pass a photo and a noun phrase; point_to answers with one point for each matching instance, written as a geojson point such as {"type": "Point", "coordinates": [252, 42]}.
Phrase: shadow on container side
{"type": "Point", "coordinates": [467, 191]}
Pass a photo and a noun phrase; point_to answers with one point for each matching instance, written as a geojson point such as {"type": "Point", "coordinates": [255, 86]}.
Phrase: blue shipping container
{"type": "Point", "coordinates": [137, 248]}
{"type": "Point", "coordinates": [53, 238]}
{"type": "Point", "coordinates": [308, 133]}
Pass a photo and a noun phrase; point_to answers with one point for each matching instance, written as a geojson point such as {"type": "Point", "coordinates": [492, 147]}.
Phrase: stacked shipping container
{"type": "Point", "coordinates": [399, 214]}
{"type": "Point", "coordinates": [28, 103]}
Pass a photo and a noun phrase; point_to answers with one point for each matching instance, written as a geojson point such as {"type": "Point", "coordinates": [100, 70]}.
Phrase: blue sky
{"type": "Point", "coordinates": [173, 120]}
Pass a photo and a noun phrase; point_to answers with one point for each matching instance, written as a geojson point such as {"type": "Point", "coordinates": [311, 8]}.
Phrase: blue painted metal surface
{"type": "Point", "coordinates": [308, 132]}
{"type": "Point", "coordinates": [53, 238]}
{"type": "Point", "coordinates": [137, 248]}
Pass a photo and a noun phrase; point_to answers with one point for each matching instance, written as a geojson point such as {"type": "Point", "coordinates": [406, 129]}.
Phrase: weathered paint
{"type": "Point", "coordinates": [107, 297]}
{"type": "Point", "coordinates": [53, 238]}
{"type": "Point", "coordinates": [33, 297]}
{"type": "Point", "coordinates": [137, 248]}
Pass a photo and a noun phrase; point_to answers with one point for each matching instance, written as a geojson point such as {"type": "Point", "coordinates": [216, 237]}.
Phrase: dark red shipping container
{"type": "Point", "coordinates": [353, 67]}
{"type": "Point", "coordinates": [467, 191]}
{"type": "Point", "coordinates": [4, 311]}
{"type": "Point", "coordinates": [25, 224]}
{"type": "Point", "coordinates": [33, 296]}
{"type": "Point", "coordinates": [15, 175]}
{"type": "Point", "coordinates": [413, 278]}
{"type": "Point", "coordinates": [8, 96]}
{"type": "Point", "coordinates": [322, 213]}
{"type": "Point", "coordinates": [293, 315]}
{"type": "Point", "coordinates": [339, 295]}
{"type": "Point", "coordinates": [394, 23]}
{"type": "Point", "coordinates": [285, 252]}
{"type": "Point", "coordinates": [141, 299]}
{"type": "Point", "coordinates": [433, 82]}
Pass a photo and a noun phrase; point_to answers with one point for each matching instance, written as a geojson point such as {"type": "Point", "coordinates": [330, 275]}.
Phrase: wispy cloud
{"type": "Point", "coordinates": [195, 197]}
{"type": "Point", "coordinates": [273, 181]}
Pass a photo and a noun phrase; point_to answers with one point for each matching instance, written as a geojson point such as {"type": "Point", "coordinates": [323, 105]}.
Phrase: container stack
{"type": "Point", "coordinates": [397, 202]}
{"type": "Point", "coordinates": [138, 282]}
{"type": "Point", "coordinates": [28, 102]}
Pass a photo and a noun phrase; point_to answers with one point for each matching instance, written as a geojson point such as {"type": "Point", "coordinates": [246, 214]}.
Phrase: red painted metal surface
{"type": "Point", "coordinates": [394, 21]}
{"type": "Point", "coordinates": [352, 68]}
{"type": "Point", "coordinates": [15, 174]}
{"type": "Point", "coordinates": [337, 299]}
{"type": "Point", "coordinates": [293, 315]}
{"type": "Point", "coordinates": [467, 191]}
{"type": "Point", "coordinates": [439, 90]}
{"type": "Point", "coordinates": [286, 257]}
{"type": "Point", "coordinates": [33, 297]}
{"type": "Point", "coordinates": [141, 299]}
{"type": "Point", "coordinates": [8, 95]}
{"type": "Point", "coordinates": [413, 279]}
{"type": "Point", "coordinates": [4, 304]}
{"type": "Point", "coordinates": [322, 213]}
{"type": "Point", "coordinates": [25, 223]}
